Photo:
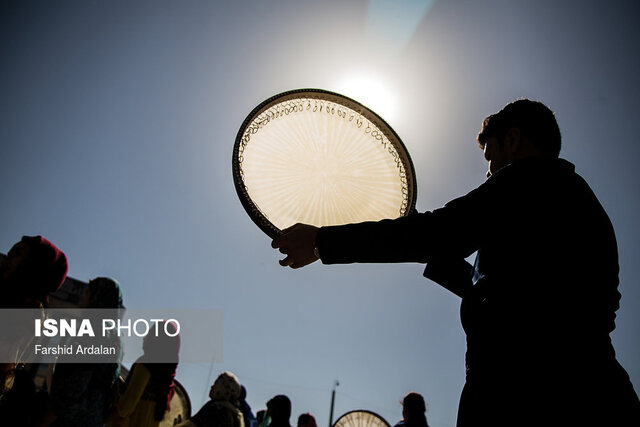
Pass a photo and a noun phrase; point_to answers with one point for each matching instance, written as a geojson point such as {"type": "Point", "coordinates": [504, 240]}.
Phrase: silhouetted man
{"type": "Point", "coordinates": [540, 301]}
{"type": "Point", "coordinates": [279, 409]}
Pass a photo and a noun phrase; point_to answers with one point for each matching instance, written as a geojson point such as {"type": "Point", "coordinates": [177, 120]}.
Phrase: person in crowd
{"type": "Point", "coordinates": [307, 420]}
{"type": "Point", "coordinates": [32, 269]}
{"type": "Point", "coordinates": [261, 418]}
{"type": "Point", "coordinates": [413, 411]}
{"type": "Point", "coordinates": [249, 419]}
{"type": "Point", "coordinates": [149, 386]}
{"type": "Point", "coordinates": [279, 411]}
{"type": "Point", "coordinates": [223, 408]}
{"type": "Point", "coordinates": [539, 304]}
{"type": "Point", "coordinates": [22, 405]}
{"type": "Point", "coordinates": [81, 393]}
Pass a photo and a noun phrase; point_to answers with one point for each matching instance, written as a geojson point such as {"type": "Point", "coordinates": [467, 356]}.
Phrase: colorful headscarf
{"type": "Point", "coordinates": [48, 262]}
{"type": "Point", "coordinates": [40, 273]}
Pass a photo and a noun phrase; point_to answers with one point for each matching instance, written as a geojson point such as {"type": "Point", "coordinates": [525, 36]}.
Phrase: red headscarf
{"type": "Point", "coordinates": [40, 273]}
{"type": "Point", "coordinates": [49, 263]}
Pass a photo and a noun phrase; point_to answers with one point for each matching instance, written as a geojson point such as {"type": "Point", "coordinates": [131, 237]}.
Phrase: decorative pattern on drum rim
{"type": "Point", "coordinates": [351, 117]}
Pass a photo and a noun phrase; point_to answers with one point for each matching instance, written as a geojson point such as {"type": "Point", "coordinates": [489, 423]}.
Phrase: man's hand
{"type": "Point", "coordinates": [297, 243]}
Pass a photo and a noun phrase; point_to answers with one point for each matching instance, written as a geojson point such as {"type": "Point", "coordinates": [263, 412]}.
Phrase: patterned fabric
{"type": "Point", "coordinates": [218, 414]}
{"type": "Point", "coordinates": [226, 388]}
{"type": "Point", "coordinates": [222, 410]}
{"type": "Point", "coordinates": [81, 392]}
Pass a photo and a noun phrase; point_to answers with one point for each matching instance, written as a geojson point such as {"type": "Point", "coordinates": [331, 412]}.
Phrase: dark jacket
{"type": "Point", "coordinates": [540, 302]}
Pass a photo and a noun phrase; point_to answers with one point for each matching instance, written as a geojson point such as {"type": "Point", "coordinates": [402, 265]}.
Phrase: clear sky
{"type": "Point", "coordinates": [118, 119]}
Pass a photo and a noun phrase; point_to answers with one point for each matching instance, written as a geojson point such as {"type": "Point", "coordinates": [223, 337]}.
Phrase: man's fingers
{"type": "Point", "coordinates": [286, 262]}
{"type": "Point", "coordinates": [280, 242]}
{"type": "Point", "coordinates": [283, 247]}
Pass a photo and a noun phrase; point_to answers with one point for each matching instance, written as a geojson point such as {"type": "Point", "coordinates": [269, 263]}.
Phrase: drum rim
{"type": "Point", "coordinates": [346, 414]}
{"type": "Point", "coordinates": [252, 209]}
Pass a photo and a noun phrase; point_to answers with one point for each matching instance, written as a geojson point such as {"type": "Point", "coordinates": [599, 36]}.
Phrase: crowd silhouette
{"type": "Point", "coordinates": [95, 394]}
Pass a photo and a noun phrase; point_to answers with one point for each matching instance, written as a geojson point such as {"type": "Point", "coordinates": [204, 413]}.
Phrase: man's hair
{"type": "Point", "coordinates": [534, 120]}
{"type": "Point", "coordinates": [280, 406]}
{"type": "Point", "coordinates": [413, 403]}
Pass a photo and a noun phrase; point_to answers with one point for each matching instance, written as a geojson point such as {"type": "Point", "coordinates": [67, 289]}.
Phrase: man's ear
{"type": "Point", "coordinates": [513, 140]}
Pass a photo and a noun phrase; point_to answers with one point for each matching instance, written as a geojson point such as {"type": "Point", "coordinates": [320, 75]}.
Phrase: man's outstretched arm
{"type": "Point", "coordinates": [382, 241]}
{"type": "Point", "coordinates": [451, 232]}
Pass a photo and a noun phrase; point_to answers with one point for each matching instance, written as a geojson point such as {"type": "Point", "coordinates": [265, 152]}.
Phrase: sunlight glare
{"type": "Point", "coordinates": [372, 93]}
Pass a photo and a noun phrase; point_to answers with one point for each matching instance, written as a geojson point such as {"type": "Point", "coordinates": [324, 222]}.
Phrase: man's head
{"type": "Point", "coordinates": [523, 128]}
{"type": "Point", "coordinates": [413, 405]}
{"type": "Point", "coordinates": [279, 409]}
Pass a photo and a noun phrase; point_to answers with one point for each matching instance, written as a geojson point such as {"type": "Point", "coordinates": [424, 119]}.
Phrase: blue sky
{"type": "Point", "coordinates": [117, 123]}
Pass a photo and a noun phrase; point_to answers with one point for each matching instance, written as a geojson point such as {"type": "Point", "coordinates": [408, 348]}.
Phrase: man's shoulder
{"type": "Point", "coordinates": [536, 166]}
{"type": "Point", "coordinates": [533, 171]}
